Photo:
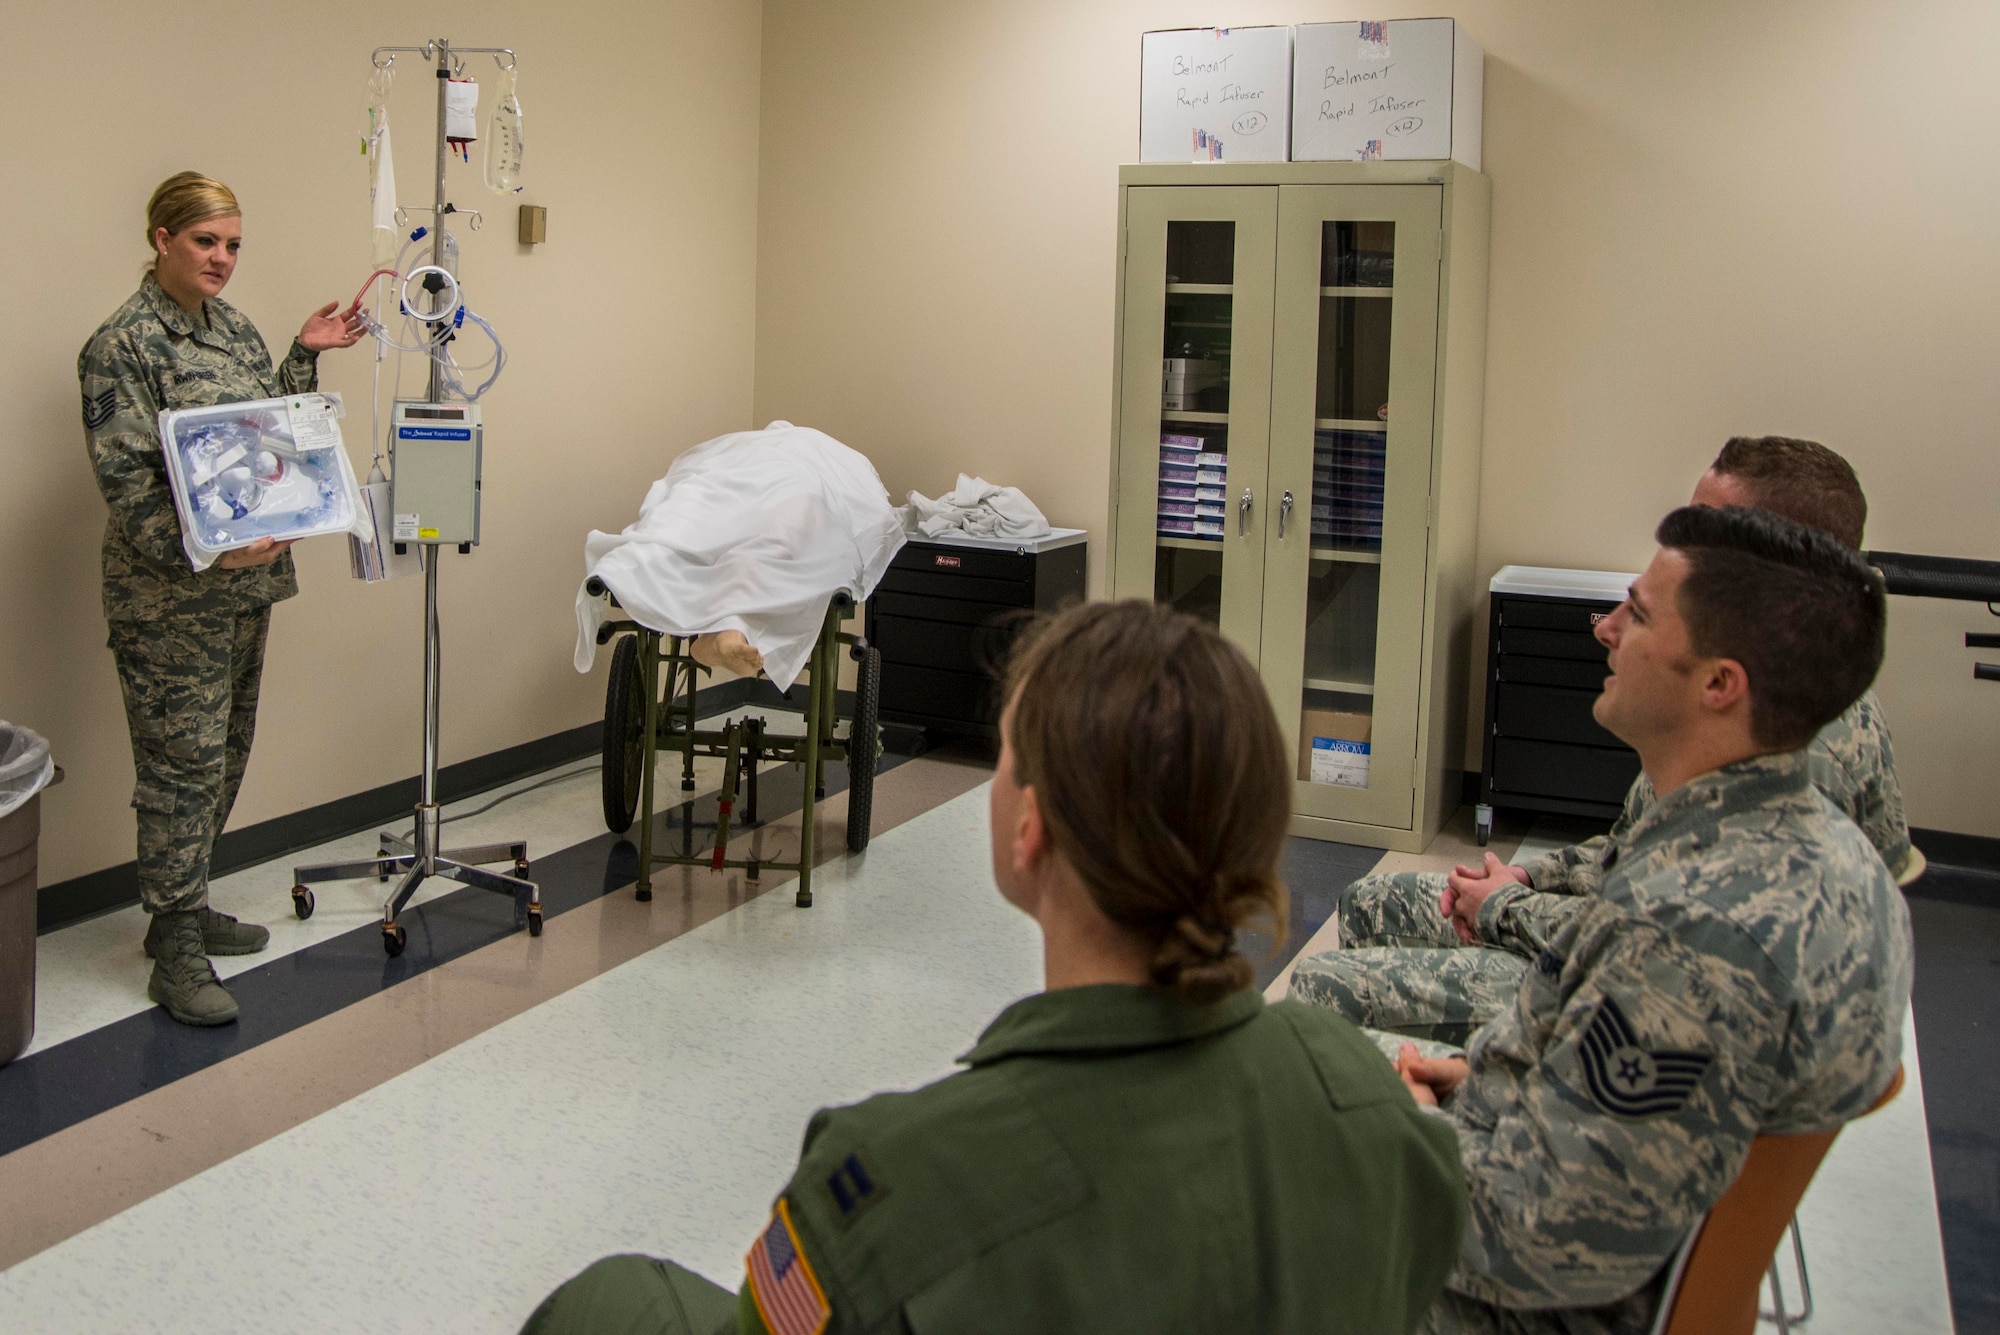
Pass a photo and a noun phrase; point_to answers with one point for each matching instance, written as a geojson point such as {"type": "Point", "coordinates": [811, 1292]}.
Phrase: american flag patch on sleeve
{"type": "Point", "coordinates": [782, 1284]}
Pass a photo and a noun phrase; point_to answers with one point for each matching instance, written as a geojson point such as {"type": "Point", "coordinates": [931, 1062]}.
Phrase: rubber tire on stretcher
{"type": "Point", "coordinates": [624, 736]}
{"type": "Point", "coordinates": [864, 748]}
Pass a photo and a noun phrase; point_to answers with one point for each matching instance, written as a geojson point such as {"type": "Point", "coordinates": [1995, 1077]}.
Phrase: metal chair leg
{"type": "Point", "coordinates": [1783, 1319]}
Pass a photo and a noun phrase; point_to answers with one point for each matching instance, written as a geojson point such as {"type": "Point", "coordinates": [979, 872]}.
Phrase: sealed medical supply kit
{"type": "Point", "coordinates": [268, 468]}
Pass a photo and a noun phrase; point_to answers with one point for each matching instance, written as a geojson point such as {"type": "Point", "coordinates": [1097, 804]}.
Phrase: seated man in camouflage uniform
{"type": "Point", "coordinates": [1743, 969]}
{"type": "Point", "coordinates": [1402, 965]}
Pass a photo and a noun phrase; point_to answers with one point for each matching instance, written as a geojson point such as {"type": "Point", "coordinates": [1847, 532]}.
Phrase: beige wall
{"type": "Point", "coordinates": [629, 330]}
{"type": "Point", "coordinates": [1709, 218]}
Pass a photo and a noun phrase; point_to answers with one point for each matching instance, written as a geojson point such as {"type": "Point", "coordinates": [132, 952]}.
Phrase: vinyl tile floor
{"type": "Point", "coordinates": [441, 1153]}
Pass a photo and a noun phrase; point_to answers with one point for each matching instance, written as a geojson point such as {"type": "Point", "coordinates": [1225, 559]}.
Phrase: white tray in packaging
{"type": "Point", "coordinates": [268, 468]}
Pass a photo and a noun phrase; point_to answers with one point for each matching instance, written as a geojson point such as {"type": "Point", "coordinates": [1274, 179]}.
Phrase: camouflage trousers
{"type": "Point", "coordinates": [1455, 1314]}
{"type": "Point", "coordinates": [636, 1295]}
{"type": "Point", "coordinates": [190, 685]}
{"type": "Point", "coordinates": [1401, 970]}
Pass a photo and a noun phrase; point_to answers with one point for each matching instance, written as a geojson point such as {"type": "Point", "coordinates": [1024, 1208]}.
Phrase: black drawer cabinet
{"type": "Point", "coordinates": [1544, 669]}
{"type": "Point", "coordinates": [946, 612]}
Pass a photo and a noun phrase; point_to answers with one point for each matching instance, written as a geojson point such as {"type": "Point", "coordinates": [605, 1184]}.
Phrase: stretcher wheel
{"type": "Point", "coordinates": [864, 748]}
{"type": "Point", "coordinates": [302, 902]}
{"type": "Point", "coordinates": [394, 938]}
{"type": "Point", "coordinates": [624, 744]}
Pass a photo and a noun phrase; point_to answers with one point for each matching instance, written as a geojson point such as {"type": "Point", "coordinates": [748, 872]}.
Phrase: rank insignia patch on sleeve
{"type": "Point", "coordinates": [1627, 1080]}
{"type": "Point", "coordinates": [97, 411]}
{"type": "Point", "coordinates": [782, 1284]}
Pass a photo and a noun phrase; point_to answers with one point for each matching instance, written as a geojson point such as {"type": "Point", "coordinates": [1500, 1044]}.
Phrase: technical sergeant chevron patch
{"type": "Point", "coordinates": [1627, 1080]}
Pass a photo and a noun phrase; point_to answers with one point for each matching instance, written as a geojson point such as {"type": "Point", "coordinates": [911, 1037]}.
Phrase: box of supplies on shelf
{"type": "Point", "coordinates": [1395, 89]}
{"type": "Point", "coordinates": [1215, 95]}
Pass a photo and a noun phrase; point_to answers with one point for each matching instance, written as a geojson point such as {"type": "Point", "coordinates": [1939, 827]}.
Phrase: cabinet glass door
{"type": "Point", "coordinates": [1195, 417]}
{"type": "Point", "coordinates": [1350, 481]}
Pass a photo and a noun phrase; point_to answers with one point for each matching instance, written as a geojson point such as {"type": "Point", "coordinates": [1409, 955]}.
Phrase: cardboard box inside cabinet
{"type": "Point", "coordinates": [1215, 95]}
{"type": "Point", "coordinates": [1404, 89]}
{"type": "Point", "coordinates": [1339, 724]}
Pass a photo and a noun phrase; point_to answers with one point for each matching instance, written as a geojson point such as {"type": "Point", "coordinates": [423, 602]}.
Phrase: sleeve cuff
{"type": "Point", "coordinates": [1487, 924]}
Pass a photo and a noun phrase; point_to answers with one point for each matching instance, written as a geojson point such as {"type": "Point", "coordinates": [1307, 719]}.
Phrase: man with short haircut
{"type": "Point", "coordinates": [1744, 968]}
{"type": "Point", "coordinates": [1402, 966]}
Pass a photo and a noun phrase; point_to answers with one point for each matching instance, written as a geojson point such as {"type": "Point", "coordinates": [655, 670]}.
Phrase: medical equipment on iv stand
{"type": "Point", "coordinates": [419, 857]}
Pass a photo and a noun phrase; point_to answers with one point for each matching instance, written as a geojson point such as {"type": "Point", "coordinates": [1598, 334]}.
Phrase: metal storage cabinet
{"type": "Point", "coordinates": [1301, 359]}
{"type": "Point", "coordinates": [1544, 669]}
{"type": "Point", "coordinates": [945, 612]}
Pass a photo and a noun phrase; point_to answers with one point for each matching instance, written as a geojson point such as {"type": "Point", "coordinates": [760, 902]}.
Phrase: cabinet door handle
{"type": "Point", "coordinates": [1284, 512]}
{"type": "Point", "coordinates": [1243, 514]}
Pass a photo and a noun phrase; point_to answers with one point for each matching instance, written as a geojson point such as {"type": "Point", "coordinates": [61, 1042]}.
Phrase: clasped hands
{"type": "Point", "coordinates": [1466, 888]}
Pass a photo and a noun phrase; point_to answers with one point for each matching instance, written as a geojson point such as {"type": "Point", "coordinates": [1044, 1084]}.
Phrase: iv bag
{"type": "Point", "coordinates": [461, 111]}
{"type": "Point", "coordinates": [503, 139]}
{"type": "Point", "coordinates": [386, 236]}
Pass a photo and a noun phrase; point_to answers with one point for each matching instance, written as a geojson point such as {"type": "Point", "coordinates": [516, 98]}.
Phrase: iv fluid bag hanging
{"type": "Point", "coordinates": [461, 111]}
{"type": "Point", "coordinates": [386, 236]}
{"type": "Point", "coordinates": [503, 138]}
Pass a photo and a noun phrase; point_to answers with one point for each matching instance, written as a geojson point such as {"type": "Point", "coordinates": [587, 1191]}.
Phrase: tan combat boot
{"type": "Point", "coordinates": [183, 981]}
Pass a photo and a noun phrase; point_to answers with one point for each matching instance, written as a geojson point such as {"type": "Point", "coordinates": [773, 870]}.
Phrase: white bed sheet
{"type": "Point", "coordinates": [753, 531]}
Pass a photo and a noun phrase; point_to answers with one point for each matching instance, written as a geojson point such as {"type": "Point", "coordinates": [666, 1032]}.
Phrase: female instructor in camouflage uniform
{"type": "Point", "coordinates": [189, 644]}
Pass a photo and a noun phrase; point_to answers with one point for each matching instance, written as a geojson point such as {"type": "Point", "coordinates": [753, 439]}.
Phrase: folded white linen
{"type": "Point", "coordinates": [753, 531]}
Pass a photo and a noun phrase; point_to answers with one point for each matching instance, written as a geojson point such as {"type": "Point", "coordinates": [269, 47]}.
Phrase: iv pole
{"type": "Point", "coordinates": [418, 858]}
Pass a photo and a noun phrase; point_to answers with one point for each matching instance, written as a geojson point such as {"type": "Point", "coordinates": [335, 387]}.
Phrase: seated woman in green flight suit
{"type": "Point", "coordinates": [1146, 1145]}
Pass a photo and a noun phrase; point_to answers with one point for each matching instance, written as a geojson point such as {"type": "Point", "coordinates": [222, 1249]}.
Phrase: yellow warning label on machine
{"type": "Point", "coordinates": [426, 534]}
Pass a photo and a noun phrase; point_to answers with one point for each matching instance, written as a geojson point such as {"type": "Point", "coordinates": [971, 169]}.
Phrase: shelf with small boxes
{"type": "Point", "coordinates": [1297, 462]}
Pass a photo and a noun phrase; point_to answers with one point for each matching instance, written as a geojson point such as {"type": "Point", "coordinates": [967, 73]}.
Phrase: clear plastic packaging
{"type": "Point", "coordinates": [269, 468]}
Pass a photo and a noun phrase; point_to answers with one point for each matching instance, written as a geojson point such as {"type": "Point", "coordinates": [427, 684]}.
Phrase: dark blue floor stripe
{"type": "Point", "coordinates": [1315, 873]}
{"type": "Point", "coordinates": [92, 1073]}
{"type": "Point", "coordinates": [1955, 916]}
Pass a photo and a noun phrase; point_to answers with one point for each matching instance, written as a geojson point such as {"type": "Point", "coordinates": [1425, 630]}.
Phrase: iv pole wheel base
{"type": "Point", "coordinates": [302, 902]}
{"type": "Point", "coordinates": [394, 938]}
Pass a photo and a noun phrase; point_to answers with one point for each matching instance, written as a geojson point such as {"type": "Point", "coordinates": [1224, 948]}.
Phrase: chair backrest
{"type": "Point", "coordinates": [1718, 1276]}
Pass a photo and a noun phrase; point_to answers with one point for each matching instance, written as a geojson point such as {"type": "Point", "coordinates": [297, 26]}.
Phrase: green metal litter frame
{"type": "Point", "coordinates": [641, 719]}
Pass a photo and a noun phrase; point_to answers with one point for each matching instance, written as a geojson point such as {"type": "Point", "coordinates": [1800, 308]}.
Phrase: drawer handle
{"type": "Point", "coordinates": [1243, 514]}
{"type": "Point", "coordinates": [1284, 512]}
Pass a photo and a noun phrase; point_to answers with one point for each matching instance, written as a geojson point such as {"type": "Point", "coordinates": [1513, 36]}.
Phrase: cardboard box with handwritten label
{"type": "Point", "coordinates": [1397, 89]}
{"type": "Point", "coordinates": [1215, 95]}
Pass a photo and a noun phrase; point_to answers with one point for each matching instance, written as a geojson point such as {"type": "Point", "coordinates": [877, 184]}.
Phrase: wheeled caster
{"type": "Point", "coordinates": [1482, 823]}
{"type": "Point", "coordinates": [521, 871]}
{"type": "Point", "coordinates": [302, 902]}
{"type": "Point", "coordinates": [534, 922]}
{"type": "Point", "coordinates": [383, 875]}
{"type": "Point", "coordinates": [394, 938]}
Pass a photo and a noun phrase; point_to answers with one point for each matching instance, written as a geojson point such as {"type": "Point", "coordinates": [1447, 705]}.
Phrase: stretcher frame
{"type": "Point", "coordinates": [667, 721]}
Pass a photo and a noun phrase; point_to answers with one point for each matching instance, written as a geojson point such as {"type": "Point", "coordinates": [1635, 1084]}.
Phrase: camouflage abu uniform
{"type": "Point", "coordinates": [1744, 969]}
{"type": "Point", "coordinates": [189, 645]}
{"type": "Point", "coordinates": [1402, 967]}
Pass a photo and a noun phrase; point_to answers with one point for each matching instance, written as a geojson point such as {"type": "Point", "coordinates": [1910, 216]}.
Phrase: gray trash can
{"type": "Point", "coordinates": [25, 769]}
